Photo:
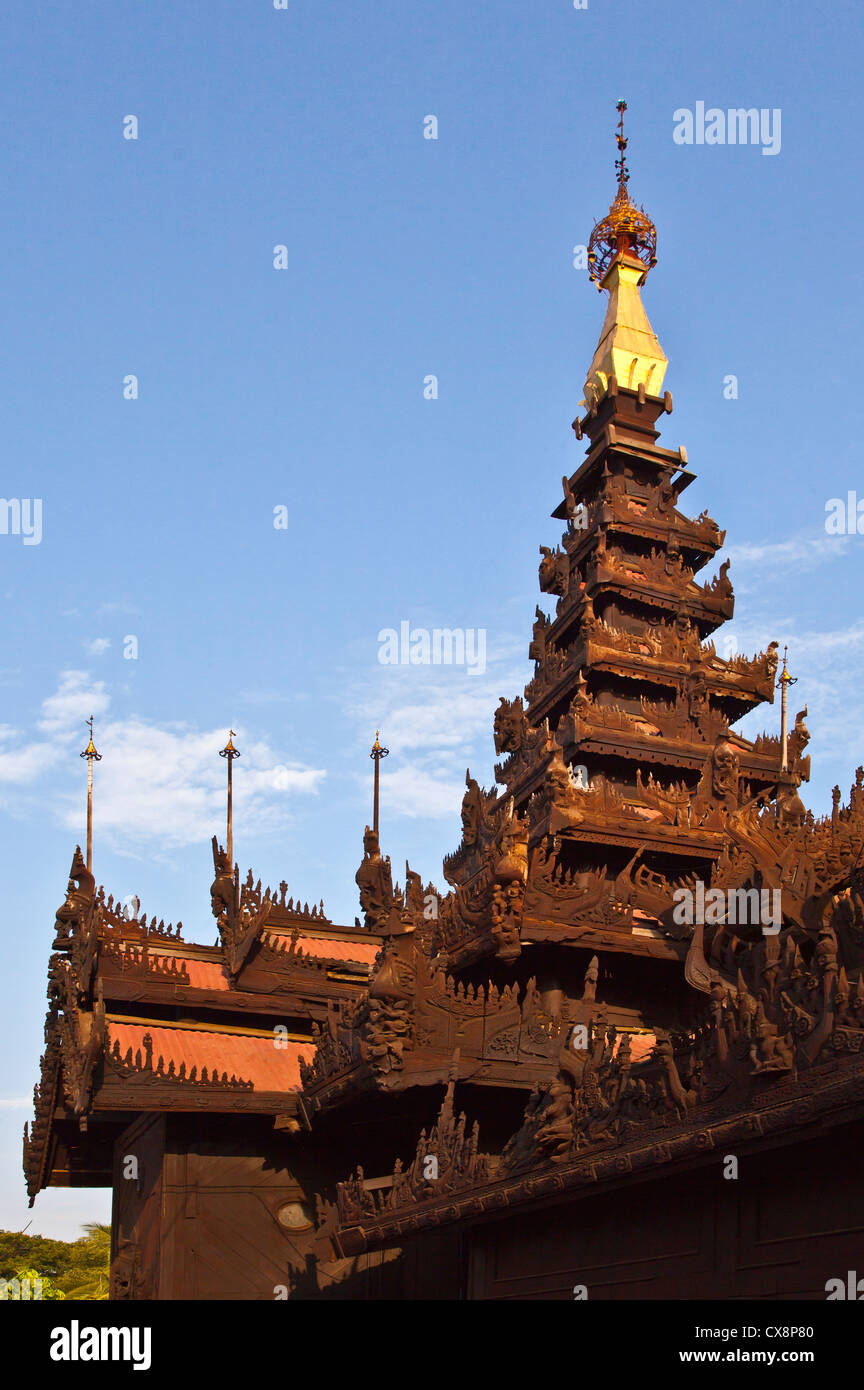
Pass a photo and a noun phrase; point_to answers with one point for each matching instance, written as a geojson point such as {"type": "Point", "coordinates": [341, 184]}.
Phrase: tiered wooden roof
{"type": "Point", "coordinates": [140, 1020]}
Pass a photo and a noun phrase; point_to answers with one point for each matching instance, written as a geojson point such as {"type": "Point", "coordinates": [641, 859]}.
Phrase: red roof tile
{"type": "Point", "coordinates": [326, 948]}
{"type": "Point", "coordinates": [641, 1045]}
{"type": "Point", "coordinates": [200, 974]}
{"type": "Point", "coordinates": [259, 1060]}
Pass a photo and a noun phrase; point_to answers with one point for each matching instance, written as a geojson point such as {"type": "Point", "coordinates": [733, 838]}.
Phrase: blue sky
{"type": "Point", "coordinates": [303, 388]}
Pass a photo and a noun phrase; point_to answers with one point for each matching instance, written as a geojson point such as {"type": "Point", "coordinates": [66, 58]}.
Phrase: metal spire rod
{"type": "Point", "coordinates": [378, 752]}
{"type": "Point", "coordinates": [92, 757]}
{"type": "Point", "coordinates": [783, 685]}
{"type": "Point", "coordinates": [230, 752]}
{"type": "Point", "coordinates": [621, 141]}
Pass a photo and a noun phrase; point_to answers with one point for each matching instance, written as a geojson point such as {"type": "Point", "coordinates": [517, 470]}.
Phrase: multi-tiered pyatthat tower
{"type": "Point", "coordinates": [622, 766]}
{"type": "Point", "coordinates": [599, 947]}
{"type": "Point", "coordinates": [622, 781]}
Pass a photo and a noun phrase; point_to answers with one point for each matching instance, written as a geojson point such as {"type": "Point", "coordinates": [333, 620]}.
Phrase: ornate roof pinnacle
{"type": "Point", "coordinates": [90, 750]}
{"type": "Point", "coordinates": [783, 683]}
{"type": "Point", "coordinates": [626, 229]}
{"type": "Point", "coordinates": [784, 678]}
{"type": "Point", "coordinates": [229, 751]}
{"type": "Point", "coordinates": [378, 752]}
{"type": "Point", "coordinates": [620, 253]}
{"type": "Point", "coordinates": [621, 141]}
{"type": "Point", "coordinates": [378, 749]}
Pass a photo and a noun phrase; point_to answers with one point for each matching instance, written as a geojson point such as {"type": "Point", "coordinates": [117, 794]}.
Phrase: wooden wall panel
{"type": "Point", "coordinates": [222, 1238]}
{"type": "Point", "coordinates": [800, 1221]}
{"type": "Point", "coordinates": [136, 1213]}
{"type": "Point", "coordinates": [620, 1246]}
{"type": "Point", "coordinates": [793, 1219]}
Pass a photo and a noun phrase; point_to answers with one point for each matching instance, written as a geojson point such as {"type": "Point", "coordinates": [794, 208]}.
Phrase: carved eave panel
{"type": "Point", "coordinates": [294, 991]}
{"type": "Point", "coordinates": [392, 1042]}
{"type": "Point", "coordinates": [707, 612]}
{"type": "Point", "coordinates": [468, 950]}
{"type": "Point", "coordinates": [744, 689]}
{"type": "Point", "coordinates": [628, 832]}
{"type": "Point", "coordinates": [608, 447]}
{"type": "Point", "coordinates": [432, 1066]}
{"type": "Point", "coordinates": [141, 1092]}
{"type": "Point", "coordinates": [545, 693]}
{"type": "Point", "coordinates": [642, 748]}
{"type": "Point", "coordinates": [828, 1096]}
{"type": "Point", "coordinates": [274, 972]}
{"type": "Point", "coordinates": [528, 779]}
{"type": "Point", "coordinates": [269, 981]}
{"type": "Point", "coordinates": [698, 544]}
{"type": "Point", "coordinates": [470, 867]}
{"type": "Point", "coordinates": [143, 1080]}
{"type": "Point", "coordinates": [40, 1137]}
{"type": "Point", "coordinates": [549, 690]}
{"type": "Point", "coordinates": [634, 938]}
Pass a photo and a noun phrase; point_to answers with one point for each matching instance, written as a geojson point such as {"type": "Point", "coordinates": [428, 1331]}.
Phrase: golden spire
{"type": "Point", "coordinates": [626, 229]}
{"type": "Point", "coordinates": [783, 683]}
{"type": "Point", "coordinates": [378, 752]}
{"type": "Point", "coordinates": [230, 752]}
{"type": "Point", "coordinates": [621, 250]}
{"type": "Point", "coordinates": [92, 757]}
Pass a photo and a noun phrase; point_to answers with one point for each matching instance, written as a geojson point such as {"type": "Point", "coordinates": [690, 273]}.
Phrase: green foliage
{"type": "Point", "coordinates": [17, 1250]}
{"type": "Point", "coordinates": [70, 1269]}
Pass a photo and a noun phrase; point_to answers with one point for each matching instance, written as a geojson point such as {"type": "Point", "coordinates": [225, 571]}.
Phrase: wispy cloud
{"type": "Point", "coordinates": [25, 763]}
{"type": "Point", "coordinates": [160, 786]}
{"type": "Point", "coordinates": [77, 697]}
{"type": "Point", "coordinates": [438, 721]}
{"type": "Point", "coordinates": [797, 551]}
{"type": "Point", "coordinates": [106, 610]}
{"type": "Point", "coordinates": [417, 792]}
{"type": "Point", "coordinates": [756, 565]}
{"type": "Point", "coordinates": [829, 668]}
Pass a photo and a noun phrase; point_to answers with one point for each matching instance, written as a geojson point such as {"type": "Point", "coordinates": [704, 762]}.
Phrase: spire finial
{"type": "Point", "coordinates": [378, 752]}
{"type": "Point", "coordinates": [783, 683]}
{"type": "Point", "coordinates": [90, 750]}
{"type": "Point", "coordinates": [92, 757]}
{"type": "Point", "coordinates": [626, 229]}
{"type": "Point", "coordinates": [784, 677]}
{"type": "Point", "coordinates": [621, 250]}
{"type": "Point", "coordinates": [621, 139]}
{"type": "Point", "coordinates": [230, 752]}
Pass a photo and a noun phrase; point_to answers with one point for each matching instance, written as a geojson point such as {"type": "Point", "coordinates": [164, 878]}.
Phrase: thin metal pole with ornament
{"type": "Point", "coordinates": [92, 757]}
{"type": "Point", "coordinates": [230, 752]}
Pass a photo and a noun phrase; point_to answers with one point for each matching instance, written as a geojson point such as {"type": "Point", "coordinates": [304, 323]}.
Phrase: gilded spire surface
{"type": "Point", "coordinates": [625, 229]}
{"type": "Point", "coordinates": [621, 250]}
